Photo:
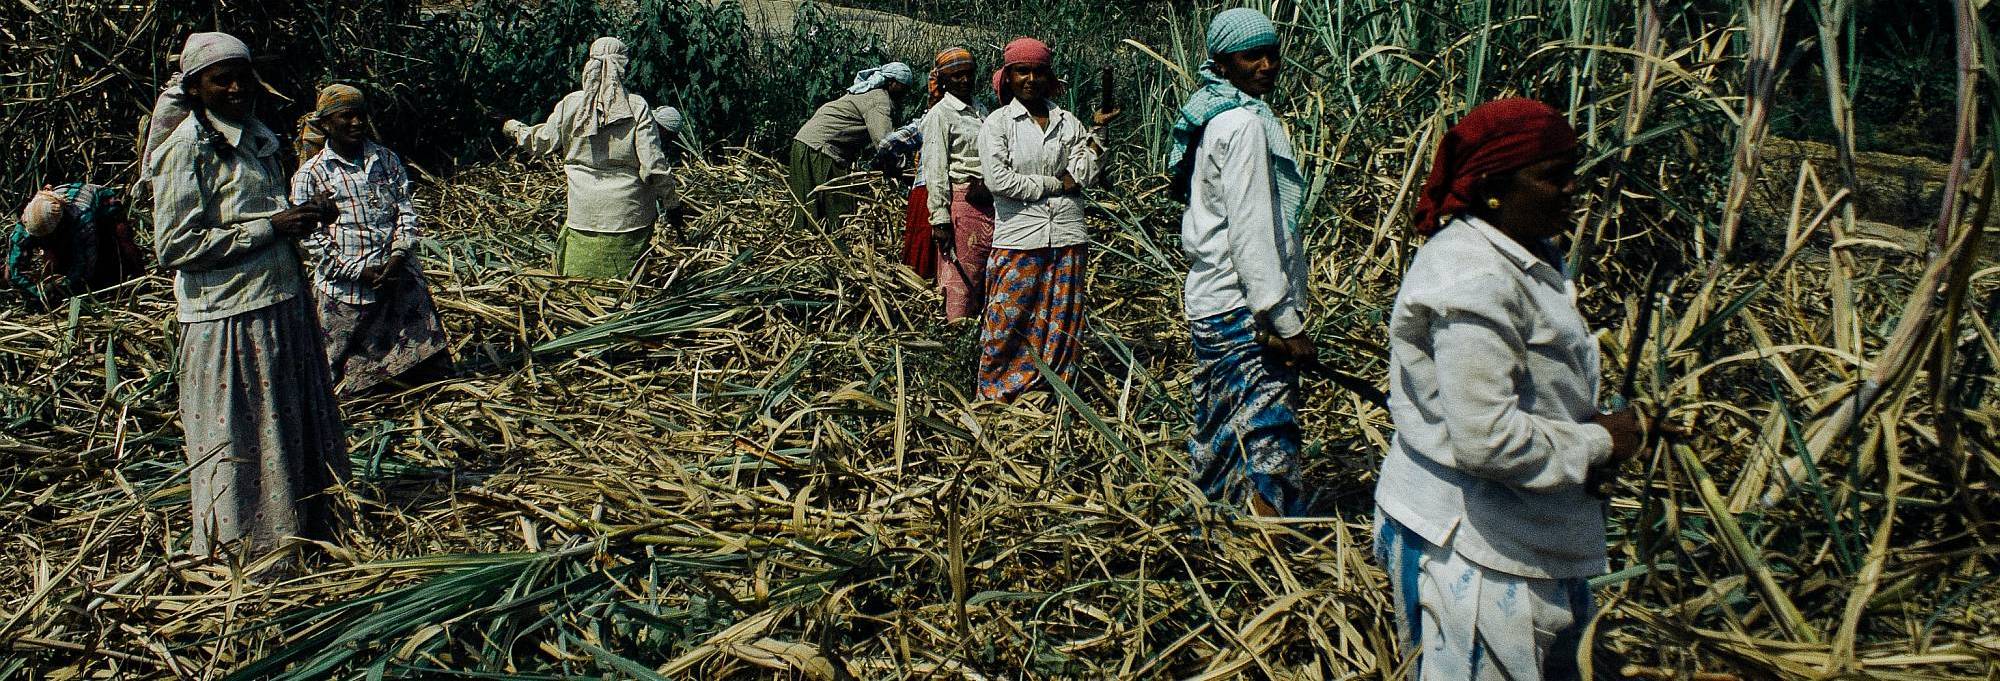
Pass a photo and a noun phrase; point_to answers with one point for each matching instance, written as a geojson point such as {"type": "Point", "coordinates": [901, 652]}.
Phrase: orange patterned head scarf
{"type": "Point", "coordinates": [946, 60]}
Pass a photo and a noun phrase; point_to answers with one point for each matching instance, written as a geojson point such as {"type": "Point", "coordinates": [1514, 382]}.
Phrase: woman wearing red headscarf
{"type": "Point", "coordinates": [1037, 158]}
{"type": "Point", "coordinates": [1485, 519]}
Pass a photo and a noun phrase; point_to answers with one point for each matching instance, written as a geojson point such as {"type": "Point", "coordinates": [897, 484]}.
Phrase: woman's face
{"type": "Point", "coordinates": [1030, 82]}
{"type": "Point", "coordinates": [1255, 72]}
{"type": "Point", "coordinates": [346, 127]}
{"type": "Point", "coordinates": [957, 80]}
{"type": "Point", "coordinates": [1535, 203]}
{"type": "Point", "coordinates": [228, 89]}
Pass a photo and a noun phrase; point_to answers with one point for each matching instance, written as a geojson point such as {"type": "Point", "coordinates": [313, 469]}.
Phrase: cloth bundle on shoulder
{"type": "Point", "coordinates": [170, 109]}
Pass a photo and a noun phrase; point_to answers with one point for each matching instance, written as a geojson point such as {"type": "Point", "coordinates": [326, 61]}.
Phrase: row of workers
{"type": "Point", "coordinates": [1486, 522]}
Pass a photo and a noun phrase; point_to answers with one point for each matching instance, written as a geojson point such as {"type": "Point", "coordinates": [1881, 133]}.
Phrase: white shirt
{"type": "Point", "coordinates": [616, 177]}
{"type": "Point", "coordinates": [212, 209]}
{"type": "Point", "coordinates": [950, 155]}
{"type": "Point", "coordinates": [1493, 376]}
{"type": "Point", "coordinates": [1020, 161]}
{"type": "Point", "coordinates": [1241, 254]}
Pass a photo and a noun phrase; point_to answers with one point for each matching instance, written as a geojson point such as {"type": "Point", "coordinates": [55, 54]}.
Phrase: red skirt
{"type": "Point", "coordinates": [918, 251]}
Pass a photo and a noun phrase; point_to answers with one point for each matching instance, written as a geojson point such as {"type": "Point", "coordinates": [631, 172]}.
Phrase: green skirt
{"type": "Point", "coordinates": [810, 168]}
{"type": "Point", "coordinates": [601, 256]}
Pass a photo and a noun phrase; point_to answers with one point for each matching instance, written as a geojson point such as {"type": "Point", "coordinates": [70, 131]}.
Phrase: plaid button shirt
{"type": "Point", "coordinates": [377, 218]}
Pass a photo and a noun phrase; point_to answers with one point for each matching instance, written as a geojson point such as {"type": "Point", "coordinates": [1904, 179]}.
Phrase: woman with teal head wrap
{"type": "Point", "coordinates": [1246, 285]}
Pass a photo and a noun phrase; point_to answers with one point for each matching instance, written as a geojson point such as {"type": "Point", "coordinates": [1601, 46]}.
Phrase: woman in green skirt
{"type": "Point", "coordinates": [841, 134]}
{"type": "Point", "coordinates": [616, 165]}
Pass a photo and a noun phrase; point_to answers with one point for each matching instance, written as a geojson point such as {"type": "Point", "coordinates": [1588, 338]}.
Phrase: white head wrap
{"type": "Point", "coordinates": [605, 98]}
{"type": "Point", "coordinates": [43, 213]}
{"type": "Point", "coordinates": [669, 119]}
{"type": "Point", "coordinates": [208, 49]}
{"type": "Point", "coordinates": [879, 76]}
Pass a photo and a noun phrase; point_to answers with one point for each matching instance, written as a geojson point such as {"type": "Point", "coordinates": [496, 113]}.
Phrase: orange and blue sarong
{"type": "Point", "coordinates": [1034, 308]}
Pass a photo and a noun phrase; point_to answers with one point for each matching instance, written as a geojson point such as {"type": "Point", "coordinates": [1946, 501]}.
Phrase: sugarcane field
{"type": "Point", "coordinates": [1428, 340]}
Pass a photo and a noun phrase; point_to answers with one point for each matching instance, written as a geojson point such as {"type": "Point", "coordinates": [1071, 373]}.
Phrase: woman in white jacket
{"type": "Point", "coordinates": [616, 164]}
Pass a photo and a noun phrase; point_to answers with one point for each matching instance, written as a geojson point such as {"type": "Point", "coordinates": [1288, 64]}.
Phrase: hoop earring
{"type": "Point", "coordinates": [1493, 204]}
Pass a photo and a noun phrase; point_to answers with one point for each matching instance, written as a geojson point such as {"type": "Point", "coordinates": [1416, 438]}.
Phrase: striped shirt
{"type": "Point", "coordinates": [377, 218]}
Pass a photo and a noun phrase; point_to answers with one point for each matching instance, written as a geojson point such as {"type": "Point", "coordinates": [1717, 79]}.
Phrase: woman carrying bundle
{"type": "Point", "coordinates": [960, 211]}
{"type": "Point", "coordinates": [841, 135]}
{"type": "Point", "coordinates": [1036, 159]}
{"type": "Point", "coordinates": [376, 314]}
{"type": "Point", "coordinates": [1246, 284]}
{"type": "Point", "coordinates": [616, 166]}
{"type": "Point", "coordinates": [263, 434]}
{"type": "Point", "coordinates": [1485, 519]}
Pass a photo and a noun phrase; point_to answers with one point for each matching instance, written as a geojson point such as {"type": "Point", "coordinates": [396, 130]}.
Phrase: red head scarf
{"type": "Point", "coordinates": [945, 60]}
{"type": "Point", "coordinates": [1497, 137]}
{"type": "Point", "coordinates": [1022, 51]}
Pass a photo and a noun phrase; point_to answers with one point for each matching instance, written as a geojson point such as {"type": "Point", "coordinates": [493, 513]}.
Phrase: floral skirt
{"type": "Point", "coordinates": [1034, 309]}
{"type": "Point", "coordinates": [962, 278]}
{"type": "Point", "coordinates": [371, 343]}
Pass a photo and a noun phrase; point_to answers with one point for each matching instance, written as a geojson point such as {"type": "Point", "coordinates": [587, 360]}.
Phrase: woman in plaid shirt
{"type": "Point", "coordinates": [375, 309]}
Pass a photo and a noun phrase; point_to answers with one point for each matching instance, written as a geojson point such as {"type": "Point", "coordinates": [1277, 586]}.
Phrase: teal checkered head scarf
{"type": "Point", "coordinates": [1238, 30]}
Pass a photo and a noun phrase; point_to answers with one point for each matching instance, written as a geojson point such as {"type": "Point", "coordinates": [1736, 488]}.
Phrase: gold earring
{"type": "Point", "coordinates": [1493, 204]}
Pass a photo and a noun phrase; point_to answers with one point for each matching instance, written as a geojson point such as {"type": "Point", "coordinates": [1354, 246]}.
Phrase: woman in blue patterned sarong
{"type": "Point", "coordinates": [1246, 287]}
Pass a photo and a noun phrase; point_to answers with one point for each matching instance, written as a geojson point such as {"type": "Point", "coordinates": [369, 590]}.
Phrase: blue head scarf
{"type": "Point", "coordinates": [879, 76]}
{"type": "Point", "coordinates": [1237, 30]}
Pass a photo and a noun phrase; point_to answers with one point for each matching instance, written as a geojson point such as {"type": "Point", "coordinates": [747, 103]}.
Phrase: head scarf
{"type": "Point", "coordinates": [946, 60]}
{"type": "Point", "coordinates": [1497, 137]}
{"type": "Point", "coordinates": [1240, 29]}
{"type": "Point", "coordinates": [669, 119]}
{"type": "Point", "coordinates": [208, 49]}
{"type": "Point", "coordinates": [875, 78]}
{"type": "Point", "coordinates": [605, 99]}
{"type": "Point", "coordinates": [337, 98]}
{"type": "Point", "coordinates": [332, 99]}
{"type": "Point", "coordinates": [43, 214]}
{"type": "Point", "coordinates": [1234, 31]}
{"type": "Point", "coordinates": [1027, 51]}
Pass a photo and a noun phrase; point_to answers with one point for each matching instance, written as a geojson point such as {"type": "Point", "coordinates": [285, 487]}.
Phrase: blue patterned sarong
{"type": "Point", "coordinates": [1246, 435]}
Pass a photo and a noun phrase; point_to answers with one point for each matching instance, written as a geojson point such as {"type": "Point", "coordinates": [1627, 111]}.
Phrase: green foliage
{"type": "Point", "coordinates": [814, 65]}
{"type": "Point", "coordinates": [695, 57]}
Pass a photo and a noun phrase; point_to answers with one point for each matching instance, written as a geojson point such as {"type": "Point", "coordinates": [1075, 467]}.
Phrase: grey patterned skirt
{"type": "Point", "coordinates": [265, 443]}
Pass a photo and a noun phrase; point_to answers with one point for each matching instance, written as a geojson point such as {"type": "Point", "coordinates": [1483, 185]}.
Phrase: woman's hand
{"type": "Point", "coordinates": [1298, 349]}
{"type": "Point", "coordinates": [1069, 183]}
{"type": "Point", "coordinates": [1628, 435]}
{"type": "Point", "coordinates": [302, 219]}
{"type": "Point", "coordinates": [945, 240]}
{"type": "Point", "coordinates": [1104, 118]}
{"type": "Point", "coordinates": [390, 270]}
